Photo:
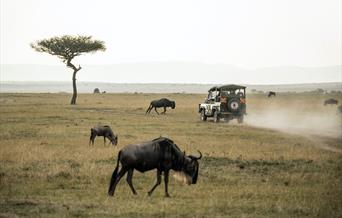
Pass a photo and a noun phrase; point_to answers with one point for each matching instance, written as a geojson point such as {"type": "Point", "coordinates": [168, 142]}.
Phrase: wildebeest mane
{"type": "Point", "coordinates": [164, 143]}
{"type": "Point", "coordinates": [162, 139]}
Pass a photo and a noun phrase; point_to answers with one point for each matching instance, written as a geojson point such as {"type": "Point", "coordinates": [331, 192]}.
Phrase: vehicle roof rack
{"type": "Point", "coordinates": [226, 87]}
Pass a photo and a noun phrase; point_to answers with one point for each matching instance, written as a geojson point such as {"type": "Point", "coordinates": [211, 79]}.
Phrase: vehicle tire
{"type": "Point", "coordinates": [234, 105]}
{"type": "Point", "coordinates": [240, 119]}
{"type": "Point", "coordinates": [203, 116]}
{"type": "Point", "coordinates": [216, 117]}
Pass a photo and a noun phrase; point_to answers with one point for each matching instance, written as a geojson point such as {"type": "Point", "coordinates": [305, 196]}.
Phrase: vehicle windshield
{"type": "Point", "coordinates": [212, 95]}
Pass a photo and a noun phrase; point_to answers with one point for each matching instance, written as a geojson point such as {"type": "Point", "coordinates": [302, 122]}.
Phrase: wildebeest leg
{"type": "Point", "coordinates": [119, 176]}
{"type": "Point", "coordinates": [155, 108]}
{"type": "Point", "coordinates": [129, 180]}
{"type": "Point", "coordinates": [93, 135]}
{"type": "Point", "coordinates": [158, 182]}
{"type": "Point", "coordinates": [149, 109]}
{"type": "Point", "coordinates": [104, 140]}
{"type": "Point", "coordinates": [164, 110]}
{"type": "Point", "coordinates": [166, 181]}
{"type": "Point", "coordinates": [92, 138]}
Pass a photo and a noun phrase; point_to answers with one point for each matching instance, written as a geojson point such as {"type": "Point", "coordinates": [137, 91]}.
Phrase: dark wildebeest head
{"type": "Point", "coordinates": [173, 104]}
{"type": "Point", "coordinates": [115, 140]}
{"type": "Point", "coordinates": [190, 168]}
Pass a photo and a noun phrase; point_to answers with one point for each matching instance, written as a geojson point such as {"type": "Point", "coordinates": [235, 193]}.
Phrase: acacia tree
{"type": "Point", "coordinates": [66, 48]}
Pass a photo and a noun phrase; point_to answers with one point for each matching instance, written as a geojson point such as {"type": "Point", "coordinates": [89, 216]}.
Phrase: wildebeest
{"type": "Point", "coordinates": [164, 102]}
{"type": "Point", "coordinates": [330, 101]}
{"type": "Point", "coordinates": [270, 94]}
{"type": "Point", "coordinates": [104, 131]}
{"type": "Point", "coordinates": [161, 154]}
{"type": "Point", "coordinates": [96, 90]}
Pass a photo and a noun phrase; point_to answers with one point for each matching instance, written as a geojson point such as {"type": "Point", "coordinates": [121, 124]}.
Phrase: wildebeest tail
{"type": "Point", "coordinates": [114, 175]}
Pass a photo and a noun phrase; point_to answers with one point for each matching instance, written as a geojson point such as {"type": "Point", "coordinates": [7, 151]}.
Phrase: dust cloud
{"type": "Point", "coordinates": [318, 121]}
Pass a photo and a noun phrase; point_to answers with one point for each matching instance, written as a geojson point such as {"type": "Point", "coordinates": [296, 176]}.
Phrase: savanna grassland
{"type": "Point", "coordinates": [250, 170]}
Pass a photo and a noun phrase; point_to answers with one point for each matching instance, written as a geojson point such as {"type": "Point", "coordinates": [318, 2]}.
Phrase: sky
{"type": "Point", "coordinates": [245, 34]}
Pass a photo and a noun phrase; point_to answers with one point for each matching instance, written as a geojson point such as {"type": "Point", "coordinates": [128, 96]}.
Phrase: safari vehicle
{"type": "Point", "coordinates": [227, 102]}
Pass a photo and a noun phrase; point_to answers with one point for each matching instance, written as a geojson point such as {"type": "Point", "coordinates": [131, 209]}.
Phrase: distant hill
{"type": "Point", "coordinates": [174, 72]}
{"type": "Point", "coordinates": [167, 77]}
{"type": "Point", "coordinates": [88, 87]}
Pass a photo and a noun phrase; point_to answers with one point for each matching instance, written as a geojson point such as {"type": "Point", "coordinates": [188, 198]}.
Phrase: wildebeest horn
{"type": "Point", "coordinates": [200, 155]}
{"type": "Point", "coordinates": [196, 158]}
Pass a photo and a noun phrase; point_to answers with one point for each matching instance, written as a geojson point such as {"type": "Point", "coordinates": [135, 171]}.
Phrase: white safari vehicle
{"type": "Point", "coordinates": [227, 102]}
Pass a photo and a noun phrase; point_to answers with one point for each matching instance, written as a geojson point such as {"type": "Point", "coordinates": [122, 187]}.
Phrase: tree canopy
{"type": "Point", "coordinates": [67, 47]}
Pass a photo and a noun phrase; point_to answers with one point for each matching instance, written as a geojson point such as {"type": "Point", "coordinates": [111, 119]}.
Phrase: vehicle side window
{"type": "Point", "coordinates": [209, 98]}
{"type": "Point", "coordinates": [212, 96]}
{"type": "Point", "coordinates": [218, 97]}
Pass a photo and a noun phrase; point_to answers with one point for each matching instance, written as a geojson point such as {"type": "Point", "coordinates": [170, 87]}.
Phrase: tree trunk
{"type": "Point", "coordinates": [74, 94]}
{"type": "Point", "coordinates": [74, 88]}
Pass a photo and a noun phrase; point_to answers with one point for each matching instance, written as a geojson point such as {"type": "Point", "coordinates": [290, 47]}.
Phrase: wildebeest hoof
{"type": "Point", "coordinates": [167, 195]}
{"type": "Point", "coordinates": [111, 193]}
{"type": "Point", "coordinates": [149, 194]}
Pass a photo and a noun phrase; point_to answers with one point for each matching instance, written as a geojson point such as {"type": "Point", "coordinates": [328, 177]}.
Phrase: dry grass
{"type": "Point", "coordinates": [47, 168]}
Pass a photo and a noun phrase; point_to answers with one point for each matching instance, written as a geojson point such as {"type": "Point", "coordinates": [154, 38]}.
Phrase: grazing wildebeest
{"type": "Point", "coordinates": [164, 102]}
{"type": "Point", "coordinates": [161, 154]}
{"type": "Point", "coordinates": [104, 131]}
{"type": "Point", "coordinates": [330, 101]}
{"type": "Point", "coordinates": [270, 94]}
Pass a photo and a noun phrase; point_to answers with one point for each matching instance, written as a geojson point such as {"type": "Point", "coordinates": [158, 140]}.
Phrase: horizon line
{"type": "Point", "coordinates": [175, 61]}
{"type": "Point", "coordinates": [160, 83]}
